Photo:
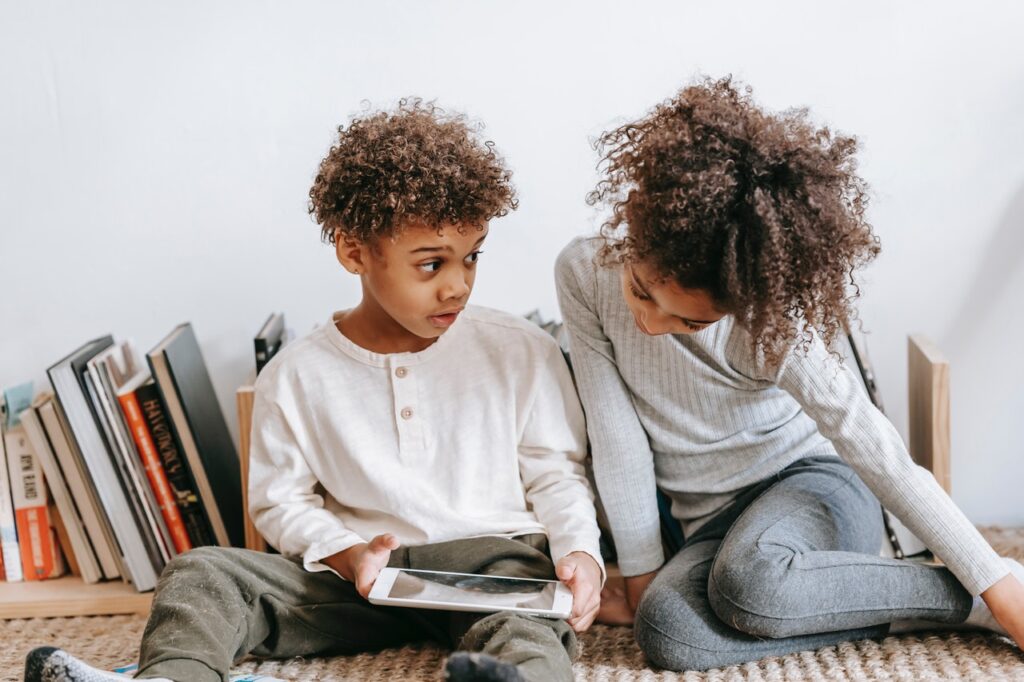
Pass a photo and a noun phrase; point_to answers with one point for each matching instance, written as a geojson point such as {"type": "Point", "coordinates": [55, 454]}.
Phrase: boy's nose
{"type": "Point", "coordinates": [456, 287]}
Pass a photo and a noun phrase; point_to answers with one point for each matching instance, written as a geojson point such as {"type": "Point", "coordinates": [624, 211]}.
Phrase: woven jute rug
{"type": "Point", "coordinates": [608, 654]}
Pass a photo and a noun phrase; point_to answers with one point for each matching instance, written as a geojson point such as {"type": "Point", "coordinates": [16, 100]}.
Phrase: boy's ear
{"type": "Point", "coordinates": [351, 252]}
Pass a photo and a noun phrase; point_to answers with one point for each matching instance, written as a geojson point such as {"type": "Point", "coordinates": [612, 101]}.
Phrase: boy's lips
{"type": "Point", "coordinates": [444, 319]}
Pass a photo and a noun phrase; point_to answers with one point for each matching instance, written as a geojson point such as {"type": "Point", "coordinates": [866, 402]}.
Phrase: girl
{"type": "Point", "coordinates": [701, 326]}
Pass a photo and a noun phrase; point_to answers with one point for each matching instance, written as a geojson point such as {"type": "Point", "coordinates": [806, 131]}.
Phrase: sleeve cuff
{"type": "Point", "coordinates": [311, 558]}
{"type": "Point", "coordinates": [638, 565]}
{"type": "Point", "coordinates": [593, 551]}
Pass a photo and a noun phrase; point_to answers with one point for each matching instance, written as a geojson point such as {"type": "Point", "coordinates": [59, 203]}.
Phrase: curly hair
{"type": "Point", "coordinates": [764, 212]}
{"type": "Point", "coordinates": [416, 164]}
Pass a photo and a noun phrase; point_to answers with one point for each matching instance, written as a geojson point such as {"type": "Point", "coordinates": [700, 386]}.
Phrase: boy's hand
{"type": "Point", "coordinates": [361, 564]}
{"type": "Point", "coordinates": [582, 575]}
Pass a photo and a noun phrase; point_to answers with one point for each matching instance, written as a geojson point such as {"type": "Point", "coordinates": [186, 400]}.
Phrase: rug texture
{"type": "Point", "coordinates": [608, 654]}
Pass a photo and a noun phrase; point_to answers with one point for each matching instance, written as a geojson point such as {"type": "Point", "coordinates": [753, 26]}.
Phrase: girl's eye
{"type": "Point", "coordinates": [637, 294]}
{"type": "Point", "coordinates": [432, 266]}
{"type": "Point", "coordinates": [693, 327]}
{"type": "Point", "coordinates": [474, 257]}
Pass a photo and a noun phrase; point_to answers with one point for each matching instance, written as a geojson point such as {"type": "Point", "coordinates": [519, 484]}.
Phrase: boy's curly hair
{"type": "Point", "coordinates": [416, 164]}
{"type": "Point", "coordinates": [763, 212]}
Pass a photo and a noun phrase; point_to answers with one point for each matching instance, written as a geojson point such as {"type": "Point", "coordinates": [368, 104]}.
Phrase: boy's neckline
{"type": "Point", "coordinates": [375, 359]}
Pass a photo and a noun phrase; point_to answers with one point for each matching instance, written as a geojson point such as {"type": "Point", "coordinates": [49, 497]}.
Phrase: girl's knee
{"type": "Point", "coordinates": [671, 634]}
{"type": "Point", "coordinates": [749, 596]}
{"type": "Point", "coordinates": [670, 651]}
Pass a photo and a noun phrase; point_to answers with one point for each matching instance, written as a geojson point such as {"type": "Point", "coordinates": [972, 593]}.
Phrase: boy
{"type": "Point", "coordinates": [411, 431]}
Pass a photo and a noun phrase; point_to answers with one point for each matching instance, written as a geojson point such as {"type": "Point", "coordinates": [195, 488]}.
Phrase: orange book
{"type": "Point", "coordinates": [154, 470]}
{"type": "Point", "coordinates": [40, 553]}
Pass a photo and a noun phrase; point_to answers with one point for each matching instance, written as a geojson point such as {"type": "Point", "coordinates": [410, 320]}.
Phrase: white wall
{"type": "Point", "coordinates": [155, 160]}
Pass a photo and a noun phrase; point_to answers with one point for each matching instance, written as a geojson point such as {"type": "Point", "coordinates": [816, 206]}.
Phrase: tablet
{"type": "Point", "coordinates": [470, 592]}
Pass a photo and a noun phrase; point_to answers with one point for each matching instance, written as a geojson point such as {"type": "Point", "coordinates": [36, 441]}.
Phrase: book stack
{"type": "Point", "coordinates": [135, 455]}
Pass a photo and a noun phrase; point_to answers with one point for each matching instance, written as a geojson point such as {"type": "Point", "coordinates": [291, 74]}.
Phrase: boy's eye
{"type": "Point", "coordinates": [432, 266]}
{"type": "Point", "coordinates": [474, 257]}
{"type": "Point", "coordinates": [636, 292]}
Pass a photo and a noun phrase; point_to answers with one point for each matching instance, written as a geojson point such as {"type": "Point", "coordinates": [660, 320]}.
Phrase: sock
{"type": "Point", "coordinates": [254, 677]}
{"type": "Point", "coordinates": [47, 664]}
{"type": "Point", "coordinates": [463, 666]}
{"type": "Point", "coordinates": [980, 617]}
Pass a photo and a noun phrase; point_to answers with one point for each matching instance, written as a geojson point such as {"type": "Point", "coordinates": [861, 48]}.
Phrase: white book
{"type": "Point", "coordinates": [80, 544]}
{"type": "Point", "coordinates": [104, 373]}
{"type": "Point", "coordinates": [8, 529]}
{"type": "Point", "coordinates": [100, 535]}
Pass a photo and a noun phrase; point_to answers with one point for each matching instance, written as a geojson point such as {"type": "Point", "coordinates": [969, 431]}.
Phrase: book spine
{"type": "Point", "coordinates": [40, 555]}
{"type": "Point", "coordinates": [262, 356]}
{"type": "Point", "coordinates": [8, 528]}
{"type": "Point", "coordinates": [155, 471]}
{"type": "Point", "coordinates": [66, 545]}
{"type": "Point", "coordinates": [178, 476]}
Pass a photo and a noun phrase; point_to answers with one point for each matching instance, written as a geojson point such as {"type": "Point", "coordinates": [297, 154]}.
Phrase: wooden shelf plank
{"type": "Point", "coordinates": [69, 596]}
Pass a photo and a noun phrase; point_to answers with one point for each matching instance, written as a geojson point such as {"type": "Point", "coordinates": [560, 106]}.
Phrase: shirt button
{"type": "Point", "coordinates": [407, 413]}
{"type": "Point", "coordinates": [401, 372]}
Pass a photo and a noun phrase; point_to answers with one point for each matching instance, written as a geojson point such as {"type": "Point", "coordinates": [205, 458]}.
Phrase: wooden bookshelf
{"type": "Point", "coordinates": [69, 596]}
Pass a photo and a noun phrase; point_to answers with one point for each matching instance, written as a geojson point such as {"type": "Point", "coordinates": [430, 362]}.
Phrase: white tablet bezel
{"type": "Point", "coordinates": [561, 605]}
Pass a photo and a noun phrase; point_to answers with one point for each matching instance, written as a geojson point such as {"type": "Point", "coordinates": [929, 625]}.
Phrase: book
{"type": "Point", "coordinates": [69, 379]}
{"type": "Point", "coordinates": [37, 539]}
{"type": "Point", "coordinates": [269, 339]}
{"type": "Point", "coordinates": [104, 376]}
{"type": "Point", "coordinates": [141, 514]}
{"type": "Point", "coordinates": [195, 414]}
{"type": "Point", "coordinates": [128, 399]}
{"type": "Point", "coordinates": [179, 477]}
{"type": "Point", "coordinates": [83, 494]}
{"type": "Point", "coordinates": [81, 556]}
{"type": "Point", "coordinates": [65, 542]}
{"type": "Point", "coordinates": [8, 529]}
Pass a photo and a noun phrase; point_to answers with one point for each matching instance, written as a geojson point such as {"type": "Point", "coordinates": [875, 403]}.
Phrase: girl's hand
{"type": "Point", "coordinates": [1006, 601]}
{"type": "Point", "coordinates": [635, 587]}
{"type": "Point", "coordinates": [614, 608]}
{"type": "Point", "coordinates": [582, 575]}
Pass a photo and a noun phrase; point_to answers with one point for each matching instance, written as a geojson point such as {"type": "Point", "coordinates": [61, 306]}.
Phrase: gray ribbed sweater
{"type": "Point", "coordinates": [698, 416]}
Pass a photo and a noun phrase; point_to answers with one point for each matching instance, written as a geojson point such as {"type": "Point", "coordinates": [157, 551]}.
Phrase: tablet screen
{"type": "Point", "coordinates": [457, 588]}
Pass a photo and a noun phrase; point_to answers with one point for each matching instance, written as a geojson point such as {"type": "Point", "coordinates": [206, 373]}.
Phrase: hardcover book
{"type": "Point", "coordinates": [180, 479]}
{"type": "Point", "coordinates": [83, 494]}
{"type": "Point", "coordinates": [100, 384]}
{"type": "Point", "coordinates": [269, 340]}
{"type": "Point", "coordinates": [69, 379]}
{"type": "Point", "coordinates": [8, 529]}
{"type": "Point", "coordinates": [127, 396]}
{"type": "Point", "coordinates": [84, 557]}
{"type": "Point", "coordinates": [192, 407]}
{"type": "Point", "coordinates": [37, 539]}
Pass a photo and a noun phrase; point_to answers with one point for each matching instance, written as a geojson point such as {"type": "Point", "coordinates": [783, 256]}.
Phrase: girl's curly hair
{"type": "Point", "coordinates": [418, 164]}
{"type": "Point", "coordinates": [763, 212]}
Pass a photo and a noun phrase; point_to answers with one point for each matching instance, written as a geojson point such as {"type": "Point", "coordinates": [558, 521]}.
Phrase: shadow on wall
{"type": "Point", "coordinates": [1003, 255]}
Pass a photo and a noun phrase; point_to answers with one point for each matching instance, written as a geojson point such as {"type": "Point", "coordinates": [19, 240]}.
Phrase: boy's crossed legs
{"type": "Point", "coordinates": [215, 605]}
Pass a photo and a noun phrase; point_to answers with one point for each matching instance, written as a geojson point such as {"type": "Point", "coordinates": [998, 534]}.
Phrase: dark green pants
{"type": "Point", "coordinates": [215, 605]}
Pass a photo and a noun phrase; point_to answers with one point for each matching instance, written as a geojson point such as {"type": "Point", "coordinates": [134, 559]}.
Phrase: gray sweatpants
{"type": "Point", "coordinates": [214, 605]}
{"type": "Point", "coordinates": [791, 565]}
